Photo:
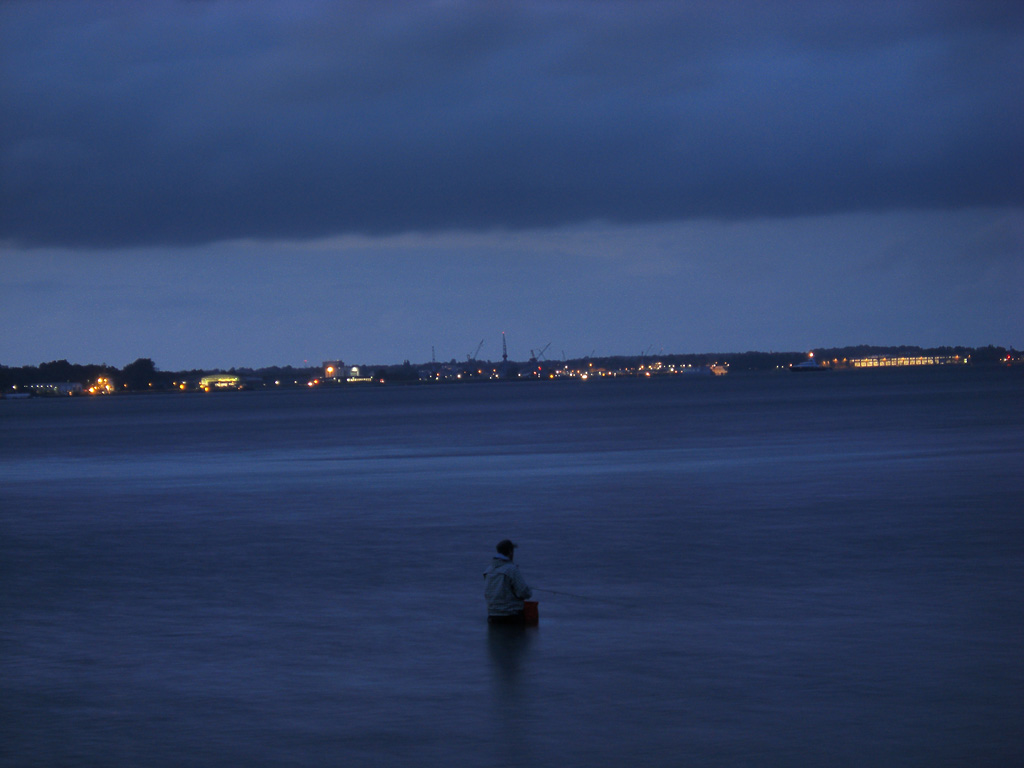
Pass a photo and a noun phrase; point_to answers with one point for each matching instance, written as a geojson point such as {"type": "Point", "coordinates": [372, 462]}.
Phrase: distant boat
{"type": "Point", "coordinates": [704, 370]}
{"type": "Point", "coordinates": [808, 365]}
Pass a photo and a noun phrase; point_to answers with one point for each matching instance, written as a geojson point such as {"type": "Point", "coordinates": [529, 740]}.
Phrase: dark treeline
{"type": "Point", "coordinates": [143, 375]}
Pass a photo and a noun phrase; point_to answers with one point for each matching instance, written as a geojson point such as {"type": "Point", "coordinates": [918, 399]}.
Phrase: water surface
{"type": "Point", "coordinates": [757, 569]}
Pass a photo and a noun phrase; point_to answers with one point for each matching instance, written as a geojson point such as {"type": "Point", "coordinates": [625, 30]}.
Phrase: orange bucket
{"type": "Point", "coordinates": [531, 616]}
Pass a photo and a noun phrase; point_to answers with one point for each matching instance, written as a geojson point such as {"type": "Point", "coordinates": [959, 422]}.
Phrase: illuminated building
{"type": "Point", "coordinates": [899, 361]}
{"type": "Point", "coordinates": [220, 382]}
{"type": "Point", "coordinates": [334, 370]}
{"type": "Point", "coordinates": [355, 374]}
{"type": "Point", "coordinates": [60, 389]}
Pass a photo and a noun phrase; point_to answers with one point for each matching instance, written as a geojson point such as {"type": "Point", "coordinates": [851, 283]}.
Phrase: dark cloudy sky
{"type": "Point", "coordinates": [224, 183]}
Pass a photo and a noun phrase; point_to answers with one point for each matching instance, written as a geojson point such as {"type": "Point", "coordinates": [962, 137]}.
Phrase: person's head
{"type": "Point", "coordinates": [506, 548]}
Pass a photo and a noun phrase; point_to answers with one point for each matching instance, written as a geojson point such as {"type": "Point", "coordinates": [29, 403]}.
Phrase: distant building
{"type": "Point", "coordinates": [355, 373]}
{"type": "Point", "coordinates": [900, 361]}
{"type": "Point", "coordinates": [59, 389]}
{"type": "Point", "coordinates": [334, 370]}
{"type": "Point", "coordinates": [220, 382]}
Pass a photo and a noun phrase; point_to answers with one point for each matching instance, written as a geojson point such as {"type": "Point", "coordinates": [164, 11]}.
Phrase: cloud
{"type": "Point", "coordinates": [190, 122]}
{"type": "Point", "coordinates": [698, 286]}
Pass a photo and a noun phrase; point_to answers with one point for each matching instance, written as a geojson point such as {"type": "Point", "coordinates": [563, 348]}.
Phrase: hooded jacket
{"type": "Point", "coordinates": [504, 588]}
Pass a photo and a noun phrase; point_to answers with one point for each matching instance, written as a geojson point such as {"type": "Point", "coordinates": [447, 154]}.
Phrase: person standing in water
{"type": "Point", "coordinates": [504, 587]}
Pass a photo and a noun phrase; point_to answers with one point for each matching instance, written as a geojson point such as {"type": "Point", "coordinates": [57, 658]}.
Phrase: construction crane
{"type": "Point", "coordinates": [472, 357]}
{"type": "Point", "coordinates": [504, 349]}
{"type": "Point", "coordinates": [540, 352]}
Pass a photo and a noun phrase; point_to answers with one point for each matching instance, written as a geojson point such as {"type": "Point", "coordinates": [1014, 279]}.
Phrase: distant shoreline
{"type": "Point", "coordinates": [61, 378]}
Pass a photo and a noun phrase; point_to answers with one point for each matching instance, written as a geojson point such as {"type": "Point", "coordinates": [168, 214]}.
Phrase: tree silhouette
{"type": "Point", "coordinates": [140, 374]}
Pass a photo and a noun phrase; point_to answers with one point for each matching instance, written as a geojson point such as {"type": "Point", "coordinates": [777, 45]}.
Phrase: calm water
{"type": "Point", "coordinates": [769, 570]}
